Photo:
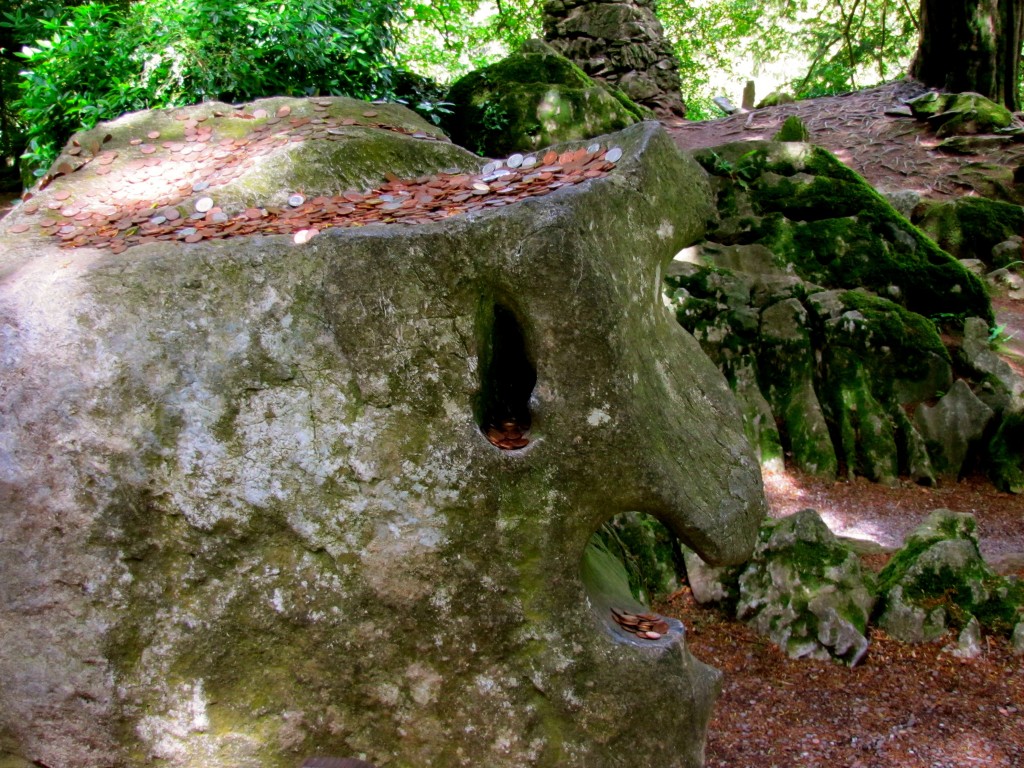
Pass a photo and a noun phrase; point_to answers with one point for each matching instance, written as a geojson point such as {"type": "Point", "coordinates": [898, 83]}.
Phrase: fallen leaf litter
{"type": "Point", "coordinates": [153, 196]}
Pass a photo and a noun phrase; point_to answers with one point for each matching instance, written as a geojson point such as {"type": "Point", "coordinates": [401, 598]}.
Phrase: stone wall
{"type": "Point", "coordinates": [622, 43]}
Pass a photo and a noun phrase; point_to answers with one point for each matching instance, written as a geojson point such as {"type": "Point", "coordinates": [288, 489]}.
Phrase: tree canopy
{"type": "Point", "coordinates": [66, 64]}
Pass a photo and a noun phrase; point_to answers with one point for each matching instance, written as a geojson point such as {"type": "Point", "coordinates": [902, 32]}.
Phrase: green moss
{"type": "Point", "coordinates": [531, 100]}
{"type": "Point", "coordinates": [970, 227]}
{"type": "Point", "coordinates": [793, 129]}
{"type": "Point", "coordinates": [1006, 454]}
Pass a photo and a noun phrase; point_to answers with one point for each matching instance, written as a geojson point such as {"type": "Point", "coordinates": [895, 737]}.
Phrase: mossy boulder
{"type": "Point", "coordinates": [806, 590]}
{"type": "Point", "coordinates": [971, 227]}
{"type": "Point", "coordinates": [831, 228]}
{"type": "Point", "coordinates": [939, 580]}
{"type": "Point", "coordinates": [531, 99]}
{"type": "Point", "coordinates": [250, 508]}
{"type": "Point", "coordinates": [951, 114]}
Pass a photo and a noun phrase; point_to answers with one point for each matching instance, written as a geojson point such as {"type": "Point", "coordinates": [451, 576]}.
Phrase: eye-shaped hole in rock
{"type": "Point", "coordinates": [507, 379]}
{"type": "Point", "coordinates": [629, 561]}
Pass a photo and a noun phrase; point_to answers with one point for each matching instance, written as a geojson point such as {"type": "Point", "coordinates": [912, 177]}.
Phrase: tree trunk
{"type": "Point", "coordinates": [971, 45]}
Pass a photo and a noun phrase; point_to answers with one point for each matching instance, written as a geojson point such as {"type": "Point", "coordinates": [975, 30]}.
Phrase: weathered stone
{"type": "Point", "coordinates": [710, 583]}
{"type": "Point", "coordinates": [249, 511]}
{"type": "Point", "coordinates": [1017, 639]}
{"type": "Point", "coordinates": [786, 366]}
{"type": "Point", "coordinates": [805, 590]}
{"type": "Point", "coordinates": [952, 427]}
{"type": "Point", "coordinates": [775, 99]}
{"type": "Point", "coordinates": [531, 99]}
{"type": "Point", "coordinates": [968, 644]}
{"type": "Point", "coordinates": [1009, 251]}
{"type": "Point", "coordinates": [832, 228]}
{"type": "Point", "coordinates": [960, 113]}
{"type": "Point", "coordinates": [938, 579]}
{"type": "Point", "coordinates": [969, 228]}
{"type": "Point", "coordinates": [622, 43]}
{"type": "Point", "coordinates": [1001, 389]}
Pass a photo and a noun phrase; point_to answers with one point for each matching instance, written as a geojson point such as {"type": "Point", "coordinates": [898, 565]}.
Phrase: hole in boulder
{"type": "Point", "coordinates": [507, 379]}
{"type": "Point", "coordinates": [629, 561]}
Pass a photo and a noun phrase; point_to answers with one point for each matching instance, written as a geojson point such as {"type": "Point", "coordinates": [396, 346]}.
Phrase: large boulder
{"type": "Point", "coordinates": [533, 98]}
{"type": "Point", "coordinates": [952, 114]}
{"type": "Point", "coordinates": [820, 302]}
{"type": "Point", "coordinates": [276, 493]}
{"type": "Point", "coordinates": [806, 590]}
{"type": "Point", "coordinates": [938, 580]}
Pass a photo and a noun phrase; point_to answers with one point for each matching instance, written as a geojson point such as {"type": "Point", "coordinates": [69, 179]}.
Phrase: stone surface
{"type": "Point", "coordinates": [532, 98]}
{"type": "Point", "coordinates": [952, 114]}
{"type": "Point", "coordinates": [805, 589]}
{"type": "Point", "coordinates": [249, 510]}
{"type": "Point", "coordinates": [968, 644]}
{"type": "Point", "coordinates": [710, 583]}
{"type": "Point", "coordinates": [620, 42]}
{"type": "Point", "coordinates": [972, 228]}
{"type": "Point", "coordinates": [938, 580]}
{"type": "Point", "coordinates": [952, 427]}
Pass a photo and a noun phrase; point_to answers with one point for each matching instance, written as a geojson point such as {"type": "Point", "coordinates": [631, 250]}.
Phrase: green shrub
{"type": "Point", "coordinates": [95, 61]}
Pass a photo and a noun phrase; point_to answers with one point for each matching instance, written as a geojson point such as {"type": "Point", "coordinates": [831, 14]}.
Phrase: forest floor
{"type": "Point", "coordinates": [904, 706]}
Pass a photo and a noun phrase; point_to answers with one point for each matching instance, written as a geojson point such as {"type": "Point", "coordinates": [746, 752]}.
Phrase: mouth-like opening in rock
{"type": "Point", "coordinates": [507, 379]}
{"type": "Point", "coordinates": [629, 561]}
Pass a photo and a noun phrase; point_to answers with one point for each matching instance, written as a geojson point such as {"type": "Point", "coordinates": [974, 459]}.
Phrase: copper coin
{"type": "Point", "coordinates": [29, 207]}
{"type": "Point", "coordinates": [147, 149]}
{"type": "Point", "coordinates": [284, 111]}
{"type": "Point", "coordinates": [17, 229]}
{"type": "Point", "coordinates": [62, 195]}
{"type": "Point", "coordinates": [370, 113]}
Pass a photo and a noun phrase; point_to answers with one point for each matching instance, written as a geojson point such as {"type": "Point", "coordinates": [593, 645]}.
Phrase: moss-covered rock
{"type": "Point", "coordinates": [970, 227]}
{"type": "Point", "coordinates": [793, 129]}
{"type": "Point", "coordinates": [806, 590]}
{"type": "Point", "coordinates": [939, 580]}
{"type": "Point", "coordinates": [250, 508]}
{"type": "Point", "coordinates": [819, 216]}
{"type": "Point", "coordinates": [531, 99]}
{"type": "Point", "coordinates": [952, 114]}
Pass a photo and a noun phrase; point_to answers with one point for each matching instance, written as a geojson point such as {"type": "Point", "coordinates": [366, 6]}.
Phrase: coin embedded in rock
{"type": "Point", "coordinates": [203, 204]}
{"type": "Point", "coordinates": [296, 200]}
{"type": "Point", "coordinates": [613, 155]}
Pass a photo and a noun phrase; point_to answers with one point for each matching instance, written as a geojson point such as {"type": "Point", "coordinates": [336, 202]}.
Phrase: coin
{"type": "Point", "coordinates": [613, 155]}
{"type": "Point", "coordinates": [284, 111]}
{"type": "Point", "coordinates": [17, 229]}
{"type": "Point", "coordinates": [514, 161]}
{"type": "Point", "coordinates": [203, 204]}
{"type": "Point", "coordinates": [296, 200]}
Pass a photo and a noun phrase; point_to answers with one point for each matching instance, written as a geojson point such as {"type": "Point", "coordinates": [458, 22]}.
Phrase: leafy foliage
{"type": "Point", "coordinates": [839, 45]}
{"type": "Point", "coordinates": [95, 61]}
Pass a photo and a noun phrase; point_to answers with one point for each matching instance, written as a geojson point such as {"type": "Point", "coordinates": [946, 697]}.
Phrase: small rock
{"type": "Point", "coordinates": [1017, 639]}
{"type": "Point", "coordinates": [968, 645]}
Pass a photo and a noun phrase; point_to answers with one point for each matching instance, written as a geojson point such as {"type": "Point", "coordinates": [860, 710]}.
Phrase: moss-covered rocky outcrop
{"type": "Point", "coordinates": [820, 303]}
{"type": "Point", "coordinates": [250, 503]}
{"type": "Point", "coordinates": [531, 99]}
{"type": "Point", "coordinates": [938, 580]}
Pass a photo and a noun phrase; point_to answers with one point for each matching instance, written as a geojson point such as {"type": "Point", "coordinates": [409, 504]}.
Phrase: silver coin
{"type": "Point", "coordinates": [613, 155]}
{"type": "Point", "coordinates": [488, 169]}
{"type": "Point", "coordinates": [186, 231]}
{"type": "Point", "coordinates": [199, 186]}
{"type": "Point", "coordinates": [296, 200]}
{"type": "Point", "coordinates": [203, 204]}
{"type": "Point", "coordinates": [157, 220]}
{"type": "Point", "coordinates": [529, 162]}
{"type": "Point", "coordinates": [514, 161]}
{"type": "Point", "coordinates": [219, 217]}
{"type": "Point", "coordinates": [594, 148]}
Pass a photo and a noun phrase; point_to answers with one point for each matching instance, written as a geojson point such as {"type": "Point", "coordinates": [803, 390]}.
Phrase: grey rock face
{"type": "Point", "coordinates": [938, 580]}
{"type": "Point", "coordinates": [621, 42]}
{"type": "Point", "coordinates": [805, 590]}
{"type": "Point", "coordinates": [952, 426]}
{"type": "Point", "coordinates": [249, 512]}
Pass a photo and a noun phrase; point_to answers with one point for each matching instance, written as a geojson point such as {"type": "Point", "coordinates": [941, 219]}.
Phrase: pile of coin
{"type": "Point", "coordinates": [508, 435]}
{"type": "Point", "coordinates": [166, 191]}
{"type": "Point", "coordinates": [646, 626]}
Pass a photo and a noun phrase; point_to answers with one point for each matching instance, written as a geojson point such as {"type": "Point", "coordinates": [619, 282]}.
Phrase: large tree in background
{"type": "Point", "coordinates": [971, 45]}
